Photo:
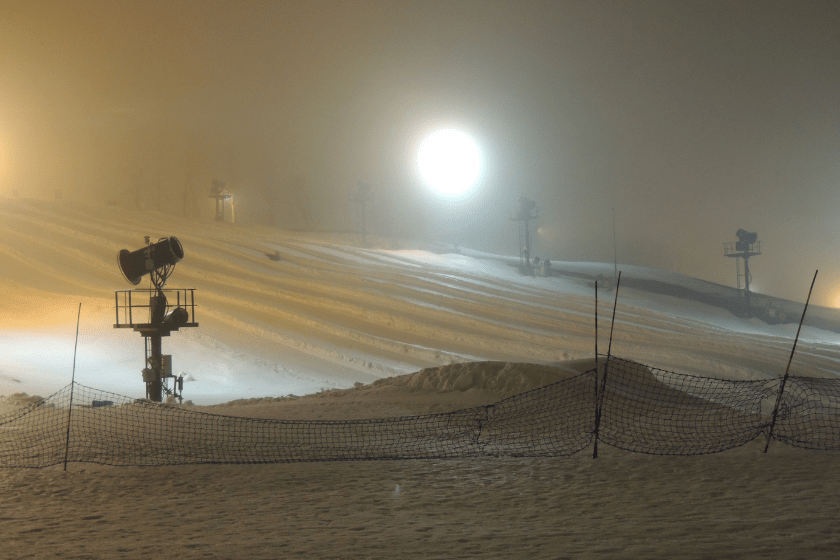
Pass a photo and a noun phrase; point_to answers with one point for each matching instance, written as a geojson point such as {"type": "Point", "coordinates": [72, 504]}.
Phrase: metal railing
{"type": "Point", "coordinates": [736, 248]}
{"type": "Point", "coordinates": [134, 307]}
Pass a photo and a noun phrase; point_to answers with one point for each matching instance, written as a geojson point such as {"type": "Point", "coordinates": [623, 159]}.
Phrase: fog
{"type": "Point", "coordinates": [689, 119]}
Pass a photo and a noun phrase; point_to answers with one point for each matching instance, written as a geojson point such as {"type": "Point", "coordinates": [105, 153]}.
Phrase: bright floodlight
{"type": "Point", "coordinates": [449, 162]}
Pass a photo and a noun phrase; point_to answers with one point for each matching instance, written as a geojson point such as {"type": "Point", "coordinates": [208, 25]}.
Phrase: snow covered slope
{"type": "Point", "coordinates": [328, 313]}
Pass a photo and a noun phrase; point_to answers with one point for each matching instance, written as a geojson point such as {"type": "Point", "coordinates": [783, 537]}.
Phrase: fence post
{"type": "Point", "coordinates": [787, 371]}
{"type": "Point", "coordinates": [599, 393]}
{"type": "Point", "coordinates": [597, 390]}
{"type": "Point", "coordinates": [72, 386]}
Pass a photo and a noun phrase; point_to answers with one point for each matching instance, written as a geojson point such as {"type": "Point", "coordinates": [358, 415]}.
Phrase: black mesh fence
{"type": "Point", "coordinates": [111, 429]}
{"type": "Point", "coordinates": [809, 414]}
{"type": "Point", "coordinates": [636, 408]}
{"type": "Point", "coordinates": [551, 421]}
{"type": "Point", "coordinates": [649, 410]}
{"type": "Point", "coordinates": [35, 435]}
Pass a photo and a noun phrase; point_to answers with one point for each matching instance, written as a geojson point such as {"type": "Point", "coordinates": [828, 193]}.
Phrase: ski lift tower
{"type": "Point", "coordinates": [527, 212]}
{"type": "Point", "coordinates": [161, 316]}
{"type": "Point", "coordinates": [219, 192]}
{"type": "Point", "coordinates": [747, 246]}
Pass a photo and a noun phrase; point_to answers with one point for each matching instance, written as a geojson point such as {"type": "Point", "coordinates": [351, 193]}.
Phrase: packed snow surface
{"type": "Point", "coordinates": [329, 313]}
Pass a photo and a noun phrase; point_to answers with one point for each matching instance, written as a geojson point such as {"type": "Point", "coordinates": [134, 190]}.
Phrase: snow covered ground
{"type": "Point", "coordinates": [330, 313]}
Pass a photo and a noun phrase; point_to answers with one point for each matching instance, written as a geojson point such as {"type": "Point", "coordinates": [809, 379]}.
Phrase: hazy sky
{"type": "Point", "coordinates": [690, 119]}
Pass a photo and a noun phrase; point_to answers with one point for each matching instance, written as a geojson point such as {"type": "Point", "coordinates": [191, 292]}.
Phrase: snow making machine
{"type": "Point", "coordinates": [155, 312]}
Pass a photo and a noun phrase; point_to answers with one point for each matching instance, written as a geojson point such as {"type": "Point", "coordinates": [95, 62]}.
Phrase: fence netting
{"type": "Point", "coordinates": [649, 410]}
{"type": "Point", "coordinates": [642, 409]}
{"type": "Point", "coordinates": [809, 414]}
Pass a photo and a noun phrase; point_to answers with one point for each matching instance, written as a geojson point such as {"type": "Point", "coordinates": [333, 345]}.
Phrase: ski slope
{"type": "Point", "coordinates": [330, 313]}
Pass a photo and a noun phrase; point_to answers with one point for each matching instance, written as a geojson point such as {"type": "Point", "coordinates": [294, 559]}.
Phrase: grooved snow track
{"type": "Point", "coordinates": [359, 314]}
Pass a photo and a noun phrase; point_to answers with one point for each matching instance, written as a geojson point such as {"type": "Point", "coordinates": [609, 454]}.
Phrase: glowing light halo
{"type": "Point", "coordinates": [449, 162]}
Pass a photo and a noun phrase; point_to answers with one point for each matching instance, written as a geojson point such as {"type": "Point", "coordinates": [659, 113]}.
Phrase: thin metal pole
{"type": "Point", "coordinates": [597, 392]}
{"type": "Point", "coordinates": [528, 245]}
{"type": "Point", "coordinates": [747, 285]}
{"type": "Point", "coordinates": [787, 371]}
{"type": "Point", "coordinates": [72, 385]}
{"type": "Point", "coordinates": [612, 325]}
{"type": "Point", "coordinates": [615, 248]}
{"type": "Point", "coordinates": [600, 393]}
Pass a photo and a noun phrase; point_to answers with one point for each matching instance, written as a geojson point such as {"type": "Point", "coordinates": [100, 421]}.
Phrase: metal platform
{"type": "Point", "coordinates": [739, 249]}
{"type": "Point", "coordinates": [134, 309]}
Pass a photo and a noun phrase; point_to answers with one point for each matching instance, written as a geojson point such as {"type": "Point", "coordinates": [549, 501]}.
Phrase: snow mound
{"type": "Point", "coordinates": [502, 379]}
{"type": "Point", "coordinates": [14, 404]}
{"type": "Point", "coordinates": [20, 399]}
